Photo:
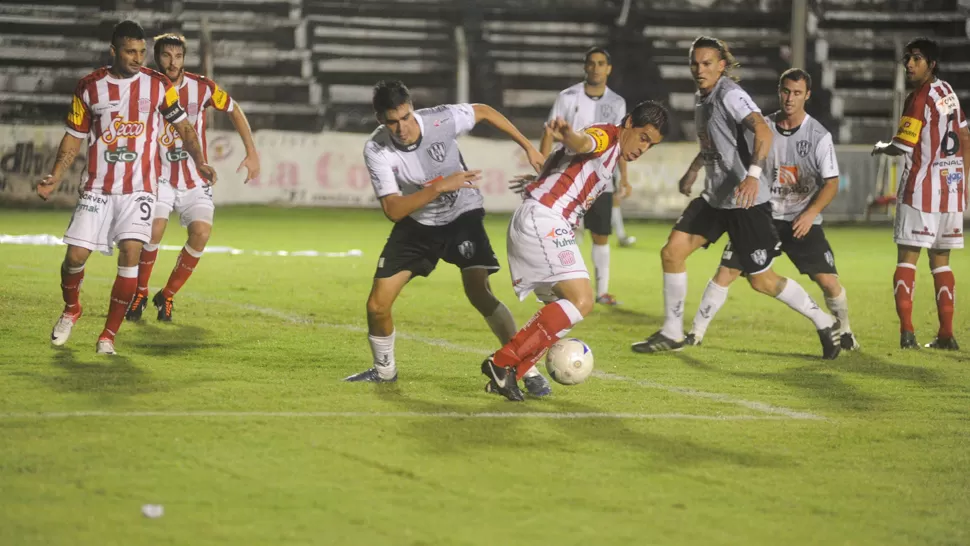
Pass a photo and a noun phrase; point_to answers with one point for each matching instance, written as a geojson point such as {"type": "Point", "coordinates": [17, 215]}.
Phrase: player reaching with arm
{"type": "Point", "coordinates": [181, 187]}
{"type": "Point", "coordinates": [122, 111]}
{"type": "Point", "coordinates": [543, 255]}
{"type": "Point", "coordinates": [425, 188]}
{"type": "Point", "coordinates": [735, 200]}
{"type": "Point", "coordinates": [934, 139]}
{"type": "Point", "coordinates": [805, 179]}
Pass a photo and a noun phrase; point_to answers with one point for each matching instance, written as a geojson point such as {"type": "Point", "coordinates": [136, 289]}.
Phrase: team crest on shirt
{"type": "Point", "coordinates": [606, 111]}
{"type": "Point", "coordinates": [829, 258]}
{"type": "Point", "coordinates": [803, 147]}
{"type": "Point", "coordinates": [466, 249]}
{"type": "Point", "coordinates": [567, 258]}
{"type": "Point", "coordinates": [144, 105]}
{"type": "Point", "coordinates": [192, 109]}
{"type": "Point", "coordinates": [437, 151]}
{"type": "Point", "coordinates": [760, 256]}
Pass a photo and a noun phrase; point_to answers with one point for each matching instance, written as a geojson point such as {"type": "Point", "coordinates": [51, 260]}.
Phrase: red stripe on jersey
{"type": "Point", "coordinates": [583, 195]}
{"type": "Point", "coordinates": [934, 126]}
{"type": "Point", "coordinates": [109, 177]}
{"type": "Point", "coordinates": [134, 90]}
{"type": "Point", "coordinates": [92, 90]}
{"type": "Point", "coordinates": [147, 160]}
{"type": "Point", "coordinates": [186, 174]}
{"type": "Point", "coordinates": [565, 181]}
{"type": "Point", "coordinates": [917, 104]}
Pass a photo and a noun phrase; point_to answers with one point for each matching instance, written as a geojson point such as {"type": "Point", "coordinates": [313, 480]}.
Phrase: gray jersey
{"type": "Point", "coordinates": [726, 145]}
{"type": "Point", "coordinates": [580, 110]}
{"type": "Point", "coordinates": [397, 169]}
{"type": "Point", "coordinates": [799, 162]}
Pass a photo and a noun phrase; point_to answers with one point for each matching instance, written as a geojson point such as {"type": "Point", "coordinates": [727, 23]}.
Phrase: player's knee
{"type": "Point", "coordinates": [829, 284]}
{"type": "Point", "coordinates": [670, 254]}
{"type": "Point", "coordinates": [725, 276]}
{"type": "Point", "coordinates": [76, 256]}
{"type": "Point", "coordinates": [377, 306]}
{"type": "Point", "coordinates": [199, 233]}
{"type": "Point", "coordinates": [764, 283]}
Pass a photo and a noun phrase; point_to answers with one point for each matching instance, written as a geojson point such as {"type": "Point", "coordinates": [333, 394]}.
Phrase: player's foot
{"type": "Point", "coordinates": [137, 305]}
{"type": "Point", "coordinates": [831, 341]}
{"type": "Point", "coordinates": [627, 241]}
{"type": "Point", "coordinates": [164, 306]}
{"type": "Point", "coordinates": [606, 299]}
{"type": "Point", "coordinates": [849, 342]}
{"type": "Point", "coordinates": [657, 343]}
{"type": "Point", "coordinates": [62, 329]}
{"type": "Point", "coordinates": [370, 376]}
{"type": "Point", "coordinates": [944, 343]}
{"type": "Point", "coordinates": [501, 380]}
{"type": "Point", "coordinates": [692, 340]}
{"type": "Point", "coordinates": [537, 385]}
{"type": "Point", "coordinates": [907, 340]}
{"type": "Point", "coordinates": [105, 346]}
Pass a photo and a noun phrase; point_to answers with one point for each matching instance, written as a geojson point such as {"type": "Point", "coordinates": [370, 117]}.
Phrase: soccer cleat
{"type": "Point", "coordinates": [537, 385]}
{"type": "Point", "coordinates": [501, 381]}
{"type": "Point", "coordinates": [849, 342]}
{"type": "Point", "coordinates": [607, 299]}
{"type": "Point", "coordinates": [692, 340]}
{"type": "Point", "coordinates": [164, 306]}
{"type": "Point", "coordinates": [627, 241]}
{"type": "Point", "coordinates": [370, 376]}
{"type": "Point", "coordinates": [944, 343]}
{"type": "Point", "coordinates": [831, 341]}
{"type": "Point", "coordinates": [137, 305]}
{"type": "Point", "coordinates": [62, 329]}
{"type": "Point", "coordinates": [907, 340]}
{"type": "Point", "coordinates": [657, 343]}
{"type": "Point", "coordinates": [105, 346]}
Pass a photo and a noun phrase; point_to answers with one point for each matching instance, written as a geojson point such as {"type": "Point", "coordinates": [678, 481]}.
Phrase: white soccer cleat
{"type": "Point", "coordinates": [62, 330]}
{"type": "Point", "coordinates": [106, 347]}
{"type": "Point", "coordinates": [628, 241]}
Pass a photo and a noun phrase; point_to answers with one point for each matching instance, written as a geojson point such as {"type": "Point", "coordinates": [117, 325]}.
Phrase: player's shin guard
{"type": "Point", "coordinates": [550, 324]}
{"type": "Point", "coordinates": [946, 297]}
{"type": "Point", "coordinates": [601, 268]}
{"type": "Point", "coordinates": [382, 348]}
{"type": "Point", "coordinates": [839, 306]}
{"type": "Point", "coordinates": [146, 263]}
{"type": "Point", "coordinates": [904, 282]}
{"type": "Point", "coordinates": [675, 292]}
{"type": "Point", "coordinates": [502, 323]}
{"type": "Point", "coordinates": [71, 280]}
{"type": "Point", "coordinates": [187, 260]}
{"type": "Point", "coordinates": [714, 297]}
{"type": "Point", "coordinates": [121, 293]}
{"type": "Point", "coordinates": [794, 296]}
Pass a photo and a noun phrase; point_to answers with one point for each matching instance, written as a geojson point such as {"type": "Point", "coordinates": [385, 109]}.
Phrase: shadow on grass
{"type": "Point", "coordinates": [169, 339]}
{"type": "Point", "coordinates": [113, 375]}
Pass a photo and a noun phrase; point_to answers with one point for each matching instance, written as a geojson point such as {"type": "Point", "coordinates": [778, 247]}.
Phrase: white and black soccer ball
{"type": "Point", "coordinates": [569, 361]}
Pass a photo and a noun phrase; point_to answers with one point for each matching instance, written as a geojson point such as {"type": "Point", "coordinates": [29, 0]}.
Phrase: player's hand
{"type": "Point", "coordinates": [803, 223]}
{"type": "Point", "coordinates": [747, 192]}
{"type": "Point", "coordinates": [625, 189]}
{"type": "Point", "coordinates": [208, 173]}
{"type": "Point", "coordinates": [687, 182]}
{"type": "Point", "coordinates": [457, 181]}
{"type": "Point", "coordinates": [519, 183]}
{"type": "Point", "coordinates": [47, 186]}
{"type": "Point", "coordinates": [251, 164]}
{"type": "Point", "coordinates": [536, 159]}
{"type": "Point", "coordinates": [880, 147]}
{"type": "Point", "coordinates": [559, 128]}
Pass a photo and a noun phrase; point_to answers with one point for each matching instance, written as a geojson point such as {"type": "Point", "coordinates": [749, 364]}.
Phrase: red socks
{"type": "Point", "coordinates": [121, 293]}
{"type": "Point", "coordinates": [551, 323]}
{"type": "Point", "coordinates": [903, 283]}
{"type": "Point", "coordinates": [184, 266]}
{"type": "Point", "coordinates": [945, 285]}
{"type": "Point", "coordinates": [71, 279]}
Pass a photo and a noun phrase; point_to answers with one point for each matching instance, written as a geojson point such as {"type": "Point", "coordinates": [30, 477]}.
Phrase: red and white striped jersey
{"type": "Point", "coordinates": [195, 95]}
{"type": "Point", "coordinates": [122, 118]}
{"type": "Point", "coordinates": [933, 178]}
{"type": "Point", "coordinates": [569, 183]}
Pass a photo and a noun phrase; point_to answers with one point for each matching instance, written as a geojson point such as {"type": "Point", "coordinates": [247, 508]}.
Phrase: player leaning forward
{"type": "Point", "coordinates": [425, 188]}
{"type": "Point", "coordinates": [122, 110]}
{"type": "Point", "coordinates": [543, 255]}
{"type": "Point", "coordinates": [735, 142]}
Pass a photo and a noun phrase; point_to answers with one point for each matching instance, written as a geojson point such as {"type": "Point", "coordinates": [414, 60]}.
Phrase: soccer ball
{"type": "Point", "coordinates": [569, 361]}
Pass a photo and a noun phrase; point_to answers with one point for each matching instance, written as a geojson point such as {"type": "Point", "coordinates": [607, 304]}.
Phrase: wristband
{"type": "Point", "coordinates": [754, 171]}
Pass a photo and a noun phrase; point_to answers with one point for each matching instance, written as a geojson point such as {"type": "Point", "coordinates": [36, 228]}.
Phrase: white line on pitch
{"type": "Point", "coordinates": [386, 415]}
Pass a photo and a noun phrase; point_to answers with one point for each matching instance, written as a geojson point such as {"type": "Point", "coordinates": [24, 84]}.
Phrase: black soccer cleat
{"type": "Point", "coordinates": [907, 340]}
{"type": "Point", "coordinates": [369, 376]}
{"type": "Point", "coordinates": [849, 342]}
{"type": "Point", "coordinates": [692, 340]}
{"type": "Point", "coordinates": [657, 343]}
{"type": "Point", "coordinates": [831, 341]}
{"type": "Point", "coordinates": [537, 385]}
{"type": "Point", "coordinates": [137, 305]}
{"type": "Point", "coordinates": [501, 381]}
{"type": "Point", "coordinates": [164, 306]}
{"type": "Point", "coordinates": [944, 343]}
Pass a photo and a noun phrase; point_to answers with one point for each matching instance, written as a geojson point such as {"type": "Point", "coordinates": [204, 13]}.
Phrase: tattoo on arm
{"type": "Point", "coordinates": [755, 123]}
{"type": "Point", "coordinates": [66, 152]}
{"type": "Point", "coordinates": [190, 141]}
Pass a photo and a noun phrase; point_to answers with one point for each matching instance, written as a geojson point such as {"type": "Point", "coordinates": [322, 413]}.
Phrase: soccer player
{"type": "Point", "coordinates": [581, 105]}
{"type": "Point", "coordinates": [935, 141]}
{"type": "Point", "coordinates": [543, 255]}
{"type": "Point", "coordinates": [123, 110]}
{"type": "Point", "coordinates": [805, 179]}
{"type": "Point", "coordinates": [181, 187]}
{"type": "Point", "coordinates": [425, 188]}
{"type": "Point", "coordinates": [735, 141]}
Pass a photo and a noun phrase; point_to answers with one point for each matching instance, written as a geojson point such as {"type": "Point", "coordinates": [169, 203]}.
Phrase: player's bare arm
{"type": "Point", "coordinates": [625, 188]}
{"type": "Point", "coordinates": [397, 207]}
{"type": "Point", "coordinates": [687, 181]}
{"type": "Point", "coordinates": [66, 152]}
{"type": "Point", "coordinates": [747, 191]}
{"type": "Point", "coordinates": [251, 161]}
{"type": "Point", "coordinates": [577, 143]}
{"type": "Point", "coordinates": [825, 195]}
{"type": "Point", "coordinates": [190, 140]}
{"type": "Point", "coordinates": [484, 112]}
{"type": "Point", "coordinates": [545, 144]}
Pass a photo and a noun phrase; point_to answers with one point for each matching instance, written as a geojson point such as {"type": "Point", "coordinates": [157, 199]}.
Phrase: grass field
{"type": "Point", "coordinates": [235, 419]}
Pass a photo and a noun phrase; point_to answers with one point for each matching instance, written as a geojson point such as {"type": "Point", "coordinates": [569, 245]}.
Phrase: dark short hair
{"type": "Point", "coordinates": [928, 48]}
{"type": "Point", "coordinates": [170, 39]}
{"type": "Point", "coordinates": [388, 95]}
{"type": "Point", "coordinates": [601, 51]}
{"type": "Point", "coordinates": [796, 75]}
{"type": "Point", "coordinates": [649, 112]}
{"type": "Point", "coordinates": [722, 49]}
{"type": "Point", "coordinates": [127, 29]}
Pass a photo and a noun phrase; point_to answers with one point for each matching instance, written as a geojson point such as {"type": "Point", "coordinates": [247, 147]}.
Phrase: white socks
{"type": "Point", "coordinates": [675, 292]}
{"type": "Point", "coordinates": [616, 219]}
{"type": "Point", "coordinates": [839, 306]}
{"type": "Point", "coordinates": [383, 350]}
{"type": "Point", "coordinates": [601, 268]}
{"type": "Point", "coordinates": [714, 297]}
{"type": "Point", "coordinates": [502, 323]}
{"type": "Point", "coordinates": [794, 296]}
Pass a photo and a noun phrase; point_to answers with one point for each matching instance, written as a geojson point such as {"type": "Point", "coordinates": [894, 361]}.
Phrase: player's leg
{"type": "Point", "coordinates": [789, 292]}
{"type": "Point", "coordinates": [597, 221]}
{"type": "Point", "coordinates": [616, 220]}
{"type": "Point", "coordinates": [913, 230]}
{"type": "Point", "coordinates": [944, 286]}
{"type": "Point", "coordinates": [72, 276]}
{"type": "Point", "coordinates": [714, 295]}
{"type": "Point", "coordinates": [196, 213]}
{"type": "Point", "coordinates": [165, 199]}
{"type": "Point", "coordinates": [838, 304]}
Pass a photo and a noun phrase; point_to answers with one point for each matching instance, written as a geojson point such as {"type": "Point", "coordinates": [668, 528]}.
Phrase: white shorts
{"type": "Point", "coordinates": [100, 221]}
{"type": "Point", "coordinates": [192, 205]}
{"type": "Point", "coordinates": [542, 250]}
{"type": "Point", "coordinates": [939, 230]}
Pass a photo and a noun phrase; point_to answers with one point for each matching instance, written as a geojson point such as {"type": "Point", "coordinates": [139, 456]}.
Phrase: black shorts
{"type": "Point", "coordinates": [754, 240]}
{"type": "Point", "coordinates": [598, 218]}
{"type": "Point", "coordinates": [417, 248]}
{"type": "Point", "coordinates": [811, 254]}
